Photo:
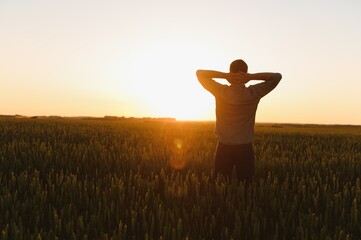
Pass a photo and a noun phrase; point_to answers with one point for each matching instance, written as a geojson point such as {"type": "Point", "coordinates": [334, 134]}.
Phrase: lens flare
{"type": "Point", "coordinates": [178, 158]}
{"type": "Point", "coordinates": [178, 143]}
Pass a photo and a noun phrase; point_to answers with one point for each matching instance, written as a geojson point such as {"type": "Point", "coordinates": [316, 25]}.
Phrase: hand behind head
{"type": "Point", "coordinates": [237, 78]}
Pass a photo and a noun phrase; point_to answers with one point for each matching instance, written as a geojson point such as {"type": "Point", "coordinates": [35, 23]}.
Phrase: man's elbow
{"type": "Point", "coordinates": [278, 76]}
{"type": "Point", "coordinates": [200, 74]}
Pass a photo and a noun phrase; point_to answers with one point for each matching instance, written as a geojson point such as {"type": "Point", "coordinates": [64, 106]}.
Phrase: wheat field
{"type": "Point", "coordinates": [147, 179]}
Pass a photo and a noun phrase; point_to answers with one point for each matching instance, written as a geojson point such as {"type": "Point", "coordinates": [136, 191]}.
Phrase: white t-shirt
{"type": "Point", "coordinates": [236, 107]}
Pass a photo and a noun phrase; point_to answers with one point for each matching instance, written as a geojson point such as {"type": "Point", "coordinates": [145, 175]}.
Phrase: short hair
{"type": "Point", "coordinates": [238, 66]}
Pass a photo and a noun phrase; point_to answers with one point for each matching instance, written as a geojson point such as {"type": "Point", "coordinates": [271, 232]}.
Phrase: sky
{"type": "Point", "coordinates": [138, 58]}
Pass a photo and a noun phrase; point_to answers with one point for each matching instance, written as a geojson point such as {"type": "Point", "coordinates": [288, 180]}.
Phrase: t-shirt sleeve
{"type": "Point", "coordinates": [212, 86]}
{"type": "Point", "coordinates": [261, 89]}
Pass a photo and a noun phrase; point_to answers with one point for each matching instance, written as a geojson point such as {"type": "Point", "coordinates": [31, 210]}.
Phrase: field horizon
{"type": "Point", "coordinates": [166, 118]}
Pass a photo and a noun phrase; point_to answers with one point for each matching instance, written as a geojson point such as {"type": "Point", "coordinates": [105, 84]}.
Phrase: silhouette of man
{"type": "Point", "coordinates": [236, 107]}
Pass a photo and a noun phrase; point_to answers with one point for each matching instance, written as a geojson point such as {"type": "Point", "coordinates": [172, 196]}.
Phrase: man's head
{"type": "Point", "coordinates": [238, 66]}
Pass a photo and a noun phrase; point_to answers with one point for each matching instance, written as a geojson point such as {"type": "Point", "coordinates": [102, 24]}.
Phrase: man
{"type": "Point", "coordinates": [236, 107]}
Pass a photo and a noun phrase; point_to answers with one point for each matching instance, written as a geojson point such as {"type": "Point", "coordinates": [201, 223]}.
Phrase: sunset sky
{"type": "Point", "coordinates": [138, 58]}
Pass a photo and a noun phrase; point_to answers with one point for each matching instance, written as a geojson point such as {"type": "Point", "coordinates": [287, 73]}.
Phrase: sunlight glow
{"type": "Point", "coordinates": [139, 58]}
{"type": "Point", "coordinates": [162, 76]}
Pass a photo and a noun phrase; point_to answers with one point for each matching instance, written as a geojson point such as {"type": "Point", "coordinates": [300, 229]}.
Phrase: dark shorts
{"type": "Point", "coordinates": [239, 156]}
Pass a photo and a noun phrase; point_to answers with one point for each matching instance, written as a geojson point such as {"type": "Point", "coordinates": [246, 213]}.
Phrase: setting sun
{"type": "Point", "coordinates": [163, 77]}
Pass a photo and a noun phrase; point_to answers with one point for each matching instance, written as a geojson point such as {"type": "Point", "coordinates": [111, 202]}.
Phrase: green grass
{"type": "Point", "coordinates": [98, 179]}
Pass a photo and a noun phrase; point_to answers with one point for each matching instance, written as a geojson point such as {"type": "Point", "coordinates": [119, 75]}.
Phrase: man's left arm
{"type": "Point", "coordinates": [205, 77]}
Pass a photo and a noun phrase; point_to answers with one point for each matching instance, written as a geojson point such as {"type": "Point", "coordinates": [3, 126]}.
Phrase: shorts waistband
{"type": "Point", "coordinates": [235, 145]}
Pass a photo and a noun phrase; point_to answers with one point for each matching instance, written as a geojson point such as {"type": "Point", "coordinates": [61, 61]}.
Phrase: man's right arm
{"type": "Point", "coordinates": [271, 80]}
{"type": "Point", "coordinates": [265, 76]}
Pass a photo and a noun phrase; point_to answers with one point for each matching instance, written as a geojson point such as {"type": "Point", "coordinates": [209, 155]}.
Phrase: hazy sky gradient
{"type": "Point", "coordinates": [138, 58]}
